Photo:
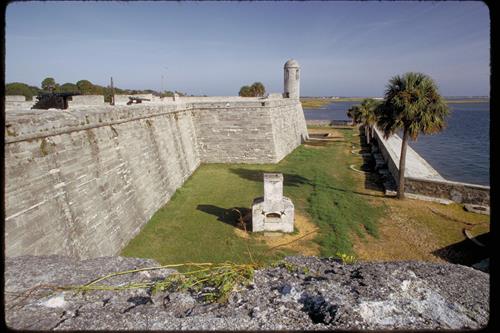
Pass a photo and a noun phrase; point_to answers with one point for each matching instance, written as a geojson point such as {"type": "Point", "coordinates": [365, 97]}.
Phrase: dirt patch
{"type": "Point", "coordinates": [301, 241]}
{"type": "Point", "coordinates": [318, 144]}
{"type": "Point", "coordinates": [400, 238]}
{"type": "Point", "coordinates": [411, 230]}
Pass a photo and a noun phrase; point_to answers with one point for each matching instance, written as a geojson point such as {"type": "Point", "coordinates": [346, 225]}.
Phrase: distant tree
{"type": "Point", "coordinates": [257, 89]}
{"type": "Point", "coordinates": [49, 84]}
{"type": "Point", "coordinates": [411, 103]}
{"type": "Point", "coordinates": [245, 91]}
{"type": "Point", "coordinates": [85, 87]}
{"type": "Point", "coordinates": [35, 90]}
{"type": "Point", "coordinates": [18, 88]}
{"type": "Point", "coordinates": [69, 88]}
{"type": "Point", "coordinates": [353, 113]}
{"type": "Point", "coordinates": [98, 90]}
{"type": "Point", "coordinates": [366, 115]}
{"type": "Point", "coordinates": [119, 91]}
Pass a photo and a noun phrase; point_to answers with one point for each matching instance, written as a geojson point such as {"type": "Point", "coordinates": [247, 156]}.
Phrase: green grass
{"type": "Point", "coordinates": [197, 224]}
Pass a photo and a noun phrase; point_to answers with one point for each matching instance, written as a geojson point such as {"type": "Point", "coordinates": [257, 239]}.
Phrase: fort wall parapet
{"type": "Point", "coordinates": [16, 102]}
{"type": "Point", "coordinates": [15, 98]}
{"type": "Point", "coordinates": [86, 100]}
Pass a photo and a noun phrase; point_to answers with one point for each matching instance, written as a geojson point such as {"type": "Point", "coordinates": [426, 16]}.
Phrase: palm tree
{"type": "Point", "coordinates": [366, 115]}
{"type": "Point", "coordinates": [353, 113]}
{"type": "Point", "coordinates": [411, 103]}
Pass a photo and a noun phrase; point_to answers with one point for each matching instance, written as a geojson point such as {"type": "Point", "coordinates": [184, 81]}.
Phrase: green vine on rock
{"type": "Point", "coordinates": [214, 282]}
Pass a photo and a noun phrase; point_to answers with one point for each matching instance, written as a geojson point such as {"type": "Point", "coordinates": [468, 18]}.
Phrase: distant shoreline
{"type": "Point", "coordinates": [458, 101]}
{"type": "Point", "coordinates": [311, 103]}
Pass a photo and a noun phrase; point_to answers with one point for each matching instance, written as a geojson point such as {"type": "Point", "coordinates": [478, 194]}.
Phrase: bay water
{"type": "Point", "coordinates": [461, 152]}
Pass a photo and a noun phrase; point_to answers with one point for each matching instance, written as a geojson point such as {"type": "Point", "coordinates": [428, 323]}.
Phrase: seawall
{"type": "Point", "coordinates": [422, 179]}
{"type": "Point", "coordinates": [83, 181]}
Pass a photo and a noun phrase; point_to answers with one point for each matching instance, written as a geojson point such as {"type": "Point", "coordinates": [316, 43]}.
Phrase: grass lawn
{"type": "Point", "coordinates": [197, 224]}
{"type": "Point", "coordinates": [417, 230]}
{"type": "Point", "coordinates": [338, 211]}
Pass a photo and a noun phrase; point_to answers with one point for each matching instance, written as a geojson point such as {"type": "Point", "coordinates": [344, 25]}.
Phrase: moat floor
{"type": "Point", "coordinates": [339, 212]}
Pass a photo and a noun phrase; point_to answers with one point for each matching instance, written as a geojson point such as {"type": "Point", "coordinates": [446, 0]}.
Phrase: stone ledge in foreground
{"type": "Point", "coordinates": [328, 295]}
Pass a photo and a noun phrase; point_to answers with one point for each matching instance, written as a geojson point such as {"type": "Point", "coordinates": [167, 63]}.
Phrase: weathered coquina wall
{"type": "Point", "coordinates": [289, 128]}
{"type": "Point", "coordinates": [14, 102]}
{"type": "Point", "coordinates": [82, 182]}
{"type": "Point", "coordinates": [241, 132]}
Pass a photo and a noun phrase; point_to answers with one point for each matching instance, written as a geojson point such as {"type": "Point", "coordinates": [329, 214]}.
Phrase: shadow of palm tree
{"type": "Point", "coordinates": [233, 216]}
{"type": "Point", "coordinates": [373, 181]}
{"type": "Point", "coordinates": [465, 252]}
{"type": "Point", "coordinates": [355, 192]}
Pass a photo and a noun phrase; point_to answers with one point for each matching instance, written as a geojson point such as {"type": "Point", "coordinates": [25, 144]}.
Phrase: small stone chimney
{"type": "Point", "coordinates": [273, 212]}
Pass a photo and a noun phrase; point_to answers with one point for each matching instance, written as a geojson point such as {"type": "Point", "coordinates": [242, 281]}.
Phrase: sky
{"type": "Point", "coordinates": [344, 48]}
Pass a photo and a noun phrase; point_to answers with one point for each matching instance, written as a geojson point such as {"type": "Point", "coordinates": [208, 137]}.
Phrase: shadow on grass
{"type": "Point", "coordinates": [289, 179]}
{"type": "Point", "coordinates": [233, 216]}
{"type": "Point", "coordinates": [465, 252]}
{"type": "Point", "coordinates": [355, 192]}
{"type": "Point", "coordinates": [373, 181]}
{"type": "Point", "coordinates": [292, 180]}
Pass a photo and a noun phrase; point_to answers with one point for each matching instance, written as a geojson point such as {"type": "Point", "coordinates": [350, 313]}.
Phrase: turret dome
{"type": "Point", "coordinates": [292, 63]}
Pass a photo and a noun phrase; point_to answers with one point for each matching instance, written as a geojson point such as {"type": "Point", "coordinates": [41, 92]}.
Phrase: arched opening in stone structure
{"type": "Point", "coordinates": [273, 217]}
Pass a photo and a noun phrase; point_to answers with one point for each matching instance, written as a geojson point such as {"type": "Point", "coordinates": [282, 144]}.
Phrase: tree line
{"type": "Point", "coordinates": [83, 87]}
{"type": "Point", "coordinates": [257, 89]}
{"type": "Point", "coordinates": [412, 104]}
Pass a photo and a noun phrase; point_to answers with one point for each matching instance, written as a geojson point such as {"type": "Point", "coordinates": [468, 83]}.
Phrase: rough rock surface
{"type": "Point", "coordinates": [308, 293]}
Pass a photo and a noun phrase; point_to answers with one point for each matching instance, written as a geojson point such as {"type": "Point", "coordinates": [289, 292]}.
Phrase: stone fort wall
{"type": "Point", "coordinates": [83, 181]}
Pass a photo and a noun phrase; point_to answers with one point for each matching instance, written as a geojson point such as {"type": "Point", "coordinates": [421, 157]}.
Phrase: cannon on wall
{"type": "Point", "coordinates": [53, 100]}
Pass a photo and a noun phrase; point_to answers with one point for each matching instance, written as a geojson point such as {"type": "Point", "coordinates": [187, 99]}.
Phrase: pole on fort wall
{"type": "Point", "coordinates": [112, 92]}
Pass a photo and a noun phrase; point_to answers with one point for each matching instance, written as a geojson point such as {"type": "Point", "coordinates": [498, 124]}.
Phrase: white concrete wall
{"type": "Point", "coordinates": [415, 166]}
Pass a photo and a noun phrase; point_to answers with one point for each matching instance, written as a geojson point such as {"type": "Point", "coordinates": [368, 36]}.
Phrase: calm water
{"type": "Point", "coordinates": [461, 152]}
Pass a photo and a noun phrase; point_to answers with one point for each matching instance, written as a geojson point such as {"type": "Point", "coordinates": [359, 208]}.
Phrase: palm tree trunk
{"type": "Point", "coordinates": [402, 160]}
{"type": "Point", "coordinates": [367, 134]}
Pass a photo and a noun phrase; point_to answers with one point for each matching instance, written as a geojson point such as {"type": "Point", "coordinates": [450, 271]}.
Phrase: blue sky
{"type": "Point", "coordinates": [344, 48]}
